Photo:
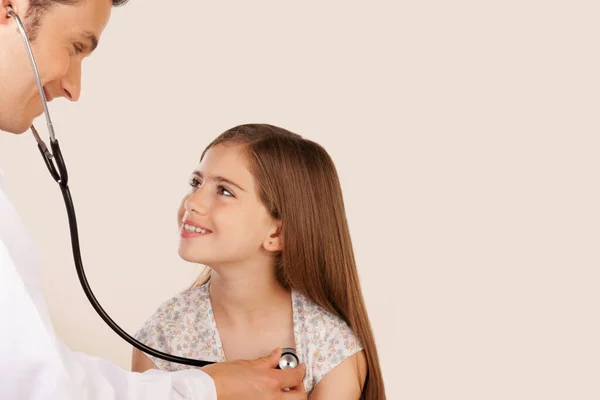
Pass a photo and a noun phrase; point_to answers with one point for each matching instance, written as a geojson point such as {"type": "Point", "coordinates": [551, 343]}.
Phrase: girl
{"type": "Point", "coordinates": [265, 213]}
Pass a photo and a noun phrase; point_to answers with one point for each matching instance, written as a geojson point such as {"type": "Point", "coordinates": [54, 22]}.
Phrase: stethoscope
{"type": "Point", "coordinates": [56, 165]}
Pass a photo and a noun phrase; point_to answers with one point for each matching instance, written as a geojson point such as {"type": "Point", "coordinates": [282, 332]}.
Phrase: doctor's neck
{"type": "Point", "coordinates": [247, 294]}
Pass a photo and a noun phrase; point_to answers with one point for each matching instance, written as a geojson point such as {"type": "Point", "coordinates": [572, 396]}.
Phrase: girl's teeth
{"type": "Point", "coordinates": [191, 228]}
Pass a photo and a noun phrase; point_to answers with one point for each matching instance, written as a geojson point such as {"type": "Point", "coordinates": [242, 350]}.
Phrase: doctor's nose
{"type": "Point", "coordinates": [71, 83]}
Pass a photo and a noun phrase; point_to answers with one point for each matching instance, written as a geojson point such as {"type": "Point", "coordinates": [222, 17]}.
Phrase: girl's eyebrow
{"type": "Point", "coordinates": [219, 179]}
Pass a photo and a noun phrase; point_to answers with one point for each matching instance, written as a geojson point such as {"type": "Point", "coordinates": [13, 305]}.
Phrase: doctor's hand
{"type": "Point", "coordinates": [257, 379]}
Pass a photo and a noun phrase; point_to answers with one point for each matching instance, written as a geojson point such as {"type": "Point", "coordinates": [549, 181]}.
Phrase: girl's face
{"type": "Point", "coordinates": [222, 220]}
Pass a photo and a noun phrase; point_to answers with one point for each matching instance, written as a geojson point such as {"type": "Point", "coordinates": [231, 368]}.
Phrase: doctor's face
{"type": "Point", "coordinates": [65, 36]}
{"type": "Point", "coordinates": [222, 219]}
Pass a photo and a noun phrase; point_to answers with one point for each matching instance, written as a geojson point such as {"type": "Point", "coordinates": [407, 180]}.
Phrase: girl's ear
{"type": "Point", "coordinates": [275, 240]}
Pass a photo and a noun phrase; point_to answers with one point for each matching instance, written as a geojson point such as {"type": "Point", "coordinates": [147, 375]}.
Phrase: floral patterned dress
{"type": "Point", "coordinates": [185, 326]}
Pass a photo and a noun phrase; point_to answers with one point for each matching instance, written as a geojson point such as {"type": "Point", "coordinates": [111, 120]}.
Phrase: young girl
{"type": "Point", "coordinates": [265, 213]}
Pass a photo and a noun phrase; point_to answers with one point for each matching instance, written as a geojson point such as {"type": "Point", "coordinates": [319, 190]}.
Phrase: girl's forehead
{"type": "Point", "coordinates": [225, 155]}
{"type": "Point", "coordinates": [229, 161]}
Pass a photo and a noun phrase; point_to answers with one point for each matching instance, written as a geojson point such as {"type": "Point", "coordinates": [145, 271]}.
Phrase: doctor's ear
{"type": "Point", "coordinates": [4, 11]}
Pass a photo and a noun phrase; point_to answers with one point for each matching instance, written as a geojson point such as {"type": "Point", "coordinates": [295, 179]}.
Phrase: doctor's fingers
{"type": "Point", "coordinates": [291, 377]}
{"type": "Point", "coordinates": [294, 394]}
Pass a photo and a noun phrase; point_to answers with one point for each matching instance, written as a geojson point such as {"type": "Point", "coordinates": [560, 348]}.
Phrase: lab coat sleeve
{"type": "Point", "coordinates": [36, 364]}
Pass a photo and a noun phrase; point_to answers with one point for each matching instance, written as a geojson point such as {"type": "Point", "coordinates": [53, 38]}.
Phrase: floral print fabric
{"type": "Point", "coordinates": [185, 326]}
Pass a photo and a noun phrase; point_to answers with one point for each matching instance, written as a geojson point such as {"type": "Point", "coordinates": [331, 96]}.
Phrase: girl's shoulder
{"type": "Point", "coordinates": [316, 319]}
{"type": "Point", "coordinates": [325, 338]}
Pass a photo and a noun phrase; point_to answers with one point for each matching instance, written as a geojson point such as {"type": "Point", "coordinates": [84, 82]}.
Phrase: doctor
{"type": "Point", "coordinates": [34, 362]}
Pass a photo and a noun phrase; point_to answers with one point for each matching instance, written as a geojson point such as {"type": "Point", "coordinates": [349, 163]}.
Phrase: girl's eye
{"type": "Point", "coordinates": [194, 182]}
{"type": "Point", "coordinates": [222, 190]}
{"type": "Point", "coordinates": [225, 192]}
{"type": "Point", "coordinates": [78, 49]}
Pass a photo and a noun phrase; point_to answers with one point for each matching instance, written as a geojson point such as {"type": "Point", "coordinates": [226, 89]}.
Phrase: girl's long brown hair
{"type": "Point", "coordinates": [298, 183]}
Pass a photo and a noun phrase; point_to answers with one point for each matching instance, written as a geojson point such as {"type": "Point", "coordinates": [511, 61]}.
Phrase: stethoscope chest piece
{"type": "Point", "coordinates": [288, 359]}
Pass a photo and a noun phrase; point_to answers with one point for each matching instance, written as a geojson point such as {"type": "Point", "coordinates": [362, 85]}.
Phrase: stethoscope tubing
{"type": "Point", "coordinates": [56, 165]}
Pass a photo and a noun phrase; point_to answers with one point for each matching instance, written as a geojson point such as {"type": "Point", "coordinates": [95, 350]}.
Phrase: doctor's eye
{"type": "Point", "coordinates": [78, 48]}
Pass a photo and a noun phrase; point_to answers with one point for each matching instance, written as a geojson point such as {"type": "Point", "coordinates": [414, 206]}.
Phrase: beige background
{"type": "Point", "coordinates": [466, 136]}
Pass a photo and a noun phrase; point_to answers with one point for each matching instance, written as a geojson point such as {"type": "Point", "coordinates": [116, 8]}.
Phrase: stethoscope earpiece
{"type": "Point", "coordinates": [10, 12]}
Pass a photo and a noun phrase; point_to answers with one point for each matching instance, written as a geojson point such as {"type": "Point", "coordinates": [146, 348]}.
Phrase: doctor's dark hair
{"type": "Point", "coordinates": [298, 183]}
{"type": "Point", "coordinates": [38, 8]}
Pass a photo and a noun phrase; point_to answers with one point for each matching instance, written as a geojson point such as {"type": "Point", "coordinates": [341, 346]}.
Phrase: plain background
{"type": "Point", "coordinates": [466, 135]}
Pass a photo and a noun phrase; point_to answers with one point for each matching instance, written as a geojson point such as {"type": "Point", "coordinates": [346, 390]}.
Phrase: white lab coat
{"type": "Point", "coordinates": [36, 364]}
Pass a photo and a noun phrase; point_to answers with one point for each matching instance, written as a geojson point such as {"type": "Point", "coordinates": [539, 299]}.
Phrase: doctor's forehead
{"type": "Point", "coordinates": [83, 16]}
{"type": "Point", "coordinates": [91, 15]}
